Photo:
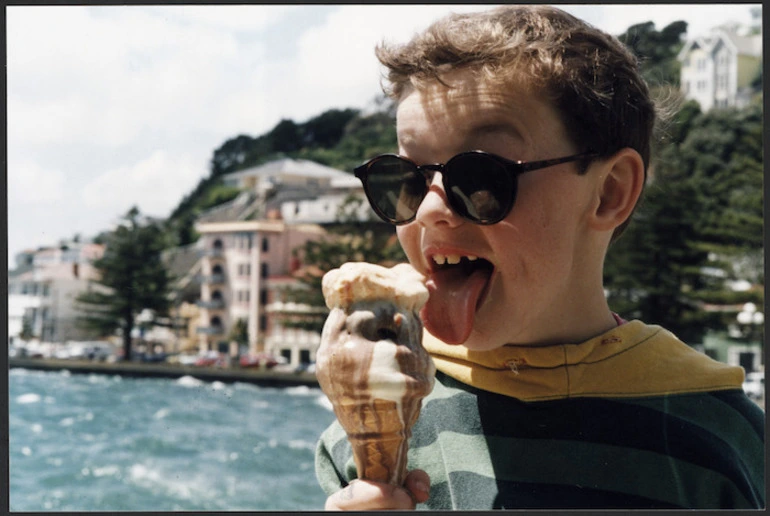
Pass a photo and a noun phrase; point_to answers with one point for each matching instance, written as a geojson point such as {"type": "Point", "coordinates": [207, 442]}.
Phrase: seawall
{"type": "Point", "coordinates": [138, 369]}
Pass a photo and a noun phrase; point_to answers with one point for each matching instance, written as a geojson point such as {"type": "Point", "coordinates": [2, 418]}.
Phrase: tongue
{"type": "Point", "coordinates": [448, 314]}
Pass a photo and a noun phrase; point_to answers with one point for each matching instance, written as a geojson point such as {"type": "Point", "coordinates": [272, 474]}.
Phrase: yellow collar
{"type": "Point", "coordinates": [633, 359]}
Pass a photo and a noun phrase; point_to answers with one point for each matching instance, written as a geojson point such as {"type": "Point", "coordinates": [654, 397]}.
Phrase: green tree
{"type": "Point", "coordinates": [699, 224]}
{"type": "Point", "coordinates": [132, 278]}
{"type": "Point", "coordinates": [350, 240]}
{"type": "Point", "coordinates": [657, 50]}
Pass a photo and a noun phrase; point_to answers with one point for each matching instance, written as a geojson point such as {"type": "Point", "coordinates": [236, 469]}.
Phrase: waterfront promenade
{"type": "Point", "coordinates": [138, 369]}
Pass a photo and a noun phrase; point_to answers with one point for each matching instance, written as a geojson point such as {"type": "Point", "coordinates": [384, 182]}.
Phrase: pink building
{"type": "Point", "coordinates": [244, 265]}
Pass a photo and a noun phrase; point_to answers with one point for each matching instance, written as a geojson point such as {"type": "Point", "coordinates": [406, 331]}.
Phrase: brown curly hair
{"type": "Point", "coordinates": [591, 78]}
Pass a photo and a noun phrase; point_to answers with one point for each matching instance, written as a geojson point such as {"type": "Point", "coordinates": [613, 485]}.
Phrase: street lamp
{"type": "Point", "coordinates": [751, 319]}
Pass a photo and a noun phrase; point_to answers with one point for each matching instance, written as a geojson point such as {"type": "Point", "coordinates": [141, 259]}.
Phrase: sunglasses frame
{"type": "Point", "coordinates": [514, 168]}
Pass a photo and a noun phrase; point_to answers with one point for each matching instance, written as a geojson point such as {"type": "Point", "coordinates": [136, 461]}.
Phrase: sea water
{"type": "Point", "coordinates": [111, 443]}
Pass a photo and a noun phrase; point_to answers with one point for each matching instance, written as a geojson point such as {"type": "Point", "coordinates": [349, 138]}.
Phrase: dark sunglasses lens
{"type": "Point", "coordinates": [396, 188]}
{"type": "Point", "coordinates": [480, 188]}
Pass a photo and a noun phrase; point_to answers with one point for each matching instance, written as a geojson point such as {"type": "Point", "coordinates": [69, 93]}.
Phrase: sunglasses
{"type": "Point", "coordinates": [481, 187]}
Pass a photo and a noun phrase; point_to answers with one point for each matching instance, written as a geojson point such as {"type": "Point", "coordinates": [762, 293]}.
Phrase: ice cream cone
{"type": "Point", "coordinates": [372, 366]}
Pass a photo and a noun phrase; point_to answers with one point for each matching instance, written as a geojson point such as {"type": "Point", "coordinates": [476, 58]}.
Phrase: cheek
{"type": "Point", "coordinates": [409, 238]}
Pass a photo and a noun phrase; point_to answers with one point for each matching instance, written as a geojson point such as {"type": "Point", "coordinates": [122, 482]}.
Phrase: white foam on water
{"type": "Point", "coordinates": [37, 428]}
{"type": "Point", "coordinates": [189, 381]}
{"type": "Point", "coordinates": [325, 403]}
{"type": "Point", "coordinates": [30, 397]}
{"type": "Point", "coordinates": [218, 386]}
{"type": "Point", "coordinates": [171, 484]}
{"type": "Point", "coordinates": [26, 451]}
{"type": "Point", "coordinates": [299, 390]}
{"type": "Point", "coordinates": [65, 372]}
{"type": "Point", "coordinates": [260, 404]}
{"type": "Point", "coordinates": [298, 444]}
{"type": "Point", "coordinates": [161, 413]}
{"type": "Point", "coordinates": [54, 461]}
{"type": "Point", "coordinates": [106, 471]}
{"type": "Point", "coordinates": [67, 421]}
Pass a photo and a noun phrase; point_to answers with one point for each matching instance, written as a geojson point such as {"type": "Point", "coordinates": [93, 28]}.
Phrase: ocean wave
{"type": "Point", "coordinates": [28, 398]}
{"type": "Point", "coordinates": [299, 444]}
{"type": "Point", "coordinates": [301, 390]}
{"type": "Point", "coordinates": [189, 381]}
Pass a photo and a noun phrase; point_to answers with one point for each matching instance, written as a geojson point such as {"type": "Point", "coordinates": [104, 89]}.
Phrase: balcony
{"type": "Point", "coordinates": [214, 252]}
{"type": "Point", "coordinates": [213, 279]}
{"type": "Point", "coordinates": [214, 304]}
{"type": "Point", "coordinates": [210, 330]}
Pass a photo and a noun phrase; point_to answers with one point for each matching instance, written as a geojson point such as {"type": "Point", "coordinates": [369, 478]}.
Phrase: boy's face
{"type": "Point", "coordinates": [527, 285]}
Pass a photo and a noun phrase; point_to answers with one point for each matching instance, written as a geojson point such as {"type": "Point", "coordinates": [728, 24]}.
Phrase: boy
{"type": "Point", "coordinates": [544, 398]}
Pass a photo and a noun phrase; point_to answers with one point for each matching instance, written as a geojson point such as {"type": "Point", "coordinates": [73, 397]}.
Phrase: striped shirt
{"type": "Point", "coordinates": [688, 448]}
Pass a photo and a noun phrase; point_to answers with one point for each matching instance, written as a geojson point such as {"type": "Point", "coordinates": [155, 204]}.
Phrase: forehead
{"type": "Point", "coordinates": [468, 109]}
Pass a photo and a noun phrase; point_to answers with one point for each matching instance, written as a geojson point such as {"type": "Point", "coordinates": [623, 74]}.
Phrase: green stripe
{"type": "Point", "coordinates": [723, 421]}
{"type": "Point", "coordinates": [610, 468]}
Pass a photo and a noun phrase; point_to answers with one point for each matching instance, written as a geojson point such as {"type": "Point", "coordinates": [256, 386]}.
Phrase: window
{"type": "Point", "coordinates": [265, 245]}
{"type": "Point", "coordinates": [265, 270]}
{"type": "Point", "coordinates": [262, 323]}
{"type": "Point", "coordinates": [244, 269]}
{"type": "Point", "coordinates": [263, 296]}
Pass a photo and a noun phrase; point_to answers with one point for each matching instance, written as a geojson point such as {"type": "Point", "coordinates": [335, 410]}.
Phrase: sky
{"type": "Point", "coordinates": [114, 106]}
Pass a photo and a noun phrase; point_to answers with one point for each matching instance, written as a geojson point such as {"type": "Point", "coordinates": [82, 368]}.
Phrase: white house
{"type": "Point", "coordinates": [43, 287]}
{"type": "Point", "coordinates": [718, 69]}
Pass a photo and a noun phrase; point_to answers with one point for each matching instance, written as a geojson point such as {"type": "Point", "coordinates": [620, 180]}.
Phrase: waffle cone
{"type": "Point", "coordinates": [379, 437]}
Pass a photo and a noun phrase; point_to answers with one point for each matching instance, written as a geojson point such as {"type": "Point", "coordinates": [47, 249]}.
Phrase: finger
{"type": "Point", "coordinates": [362, 495]}
{"type": "Point", "coordinates": [418, 483]}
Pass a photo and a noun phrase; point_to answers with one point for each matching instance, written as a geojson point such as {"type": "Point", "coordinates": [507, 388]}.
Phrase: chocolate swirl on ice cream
{"type": "Point", "coordinates": [371, 363]}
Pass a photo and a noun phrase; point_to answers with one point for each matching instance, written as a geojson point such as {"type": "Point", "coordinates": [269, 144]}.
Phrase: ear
{"type": "Point", "coordinates": [620, 184]}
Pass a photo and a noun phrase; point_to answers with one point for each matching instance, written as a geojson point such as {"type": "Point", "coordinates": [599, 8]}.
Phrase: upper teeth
{"type": "Point", "coordinates": [452, 259]}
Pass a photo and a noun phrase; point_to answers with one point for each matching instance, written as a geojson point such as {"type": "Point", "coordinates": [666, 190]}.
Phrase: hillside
{"type": "Point", "coordinates": [339, 138]}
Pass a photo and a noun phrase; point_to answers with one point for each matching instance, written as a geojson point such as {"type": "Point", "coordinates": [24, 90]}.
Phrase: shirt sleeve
{"type": "Point", "coordinates": [334, 465]}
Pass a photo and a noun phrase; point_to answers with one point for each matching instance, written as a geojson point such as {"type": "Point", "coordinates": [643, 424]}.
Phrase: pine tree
{"type": "Point", "coordinates": [351, 240]}
{"type": "Point", "coordinates": [132, 278]}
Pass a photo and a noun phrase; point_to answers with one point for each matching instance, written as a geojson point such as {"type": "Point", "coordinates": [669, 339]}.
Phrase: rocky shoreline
{"type": "Point", "coordinates": [148, 370]}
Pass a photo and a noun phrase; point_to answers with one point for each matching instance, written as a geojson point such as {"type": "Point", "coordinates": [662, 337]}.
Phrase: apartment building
{"type": "Point", "coordinates": [244, 265]}
{"type": "Point", "coordinates": [43, 287]}
{"type": "Point", "coordinates": [718, 69]}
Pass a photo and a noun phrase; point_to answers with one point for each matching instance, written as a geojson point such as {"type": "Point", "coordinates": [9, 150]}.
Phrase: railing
{"type": "Point", "coordinates": [211, 305]}
{"type": "Point", "coordinates": [213, 279]}
{"type": "Point", "coordinates": [210, 330]}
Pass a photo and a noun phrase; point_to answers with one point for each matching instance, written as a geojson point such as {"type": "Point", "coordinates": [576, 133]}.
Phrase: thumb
{"type": "Point", "coordinates": [418, 484]}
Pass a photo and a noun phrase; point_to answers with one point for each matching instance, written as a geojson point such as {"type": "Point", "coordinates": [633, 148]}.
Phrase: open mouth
{"type": "Point", "coordinates": [458, 285]}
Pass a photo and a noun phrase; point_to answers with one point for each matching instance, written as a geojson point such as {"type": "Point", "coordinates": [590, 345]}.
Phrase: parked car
{"type": "Point", "coordinates": [259, 360]}
{"type": "Point", "coordinates": [86, 350]}
{"type": "Point", "coordinates": [211, 359]}
{"type": "Point", "coordinates": [754, 385]}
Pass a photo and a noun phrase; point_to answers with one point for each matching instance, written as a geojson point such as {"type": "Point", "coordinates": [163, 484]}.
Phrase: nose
{"type": "Point", "coordinates": [435, 208]}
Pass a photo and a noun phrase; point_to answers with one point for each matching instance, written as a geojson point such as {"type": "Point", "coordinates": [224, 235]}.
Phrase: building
{"type": "Point", "coordinates": [719, 69]}
{"type": "Point", "coordinates": [43, 287]}
{"type": "Point", "coordinates": [243, 267]}
{"type": "Point", "coordinates": [247, 251]}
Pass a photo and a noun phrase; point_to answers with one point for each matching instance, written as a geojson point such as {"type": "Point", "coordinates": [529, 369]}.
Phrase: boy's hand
{"type": "Point", "coordinates": [364, 495]}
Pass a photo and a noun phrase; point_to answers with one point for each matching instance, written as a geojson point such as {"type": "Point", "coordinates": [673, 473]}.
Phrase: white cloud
{"type": "Point", "coordinates": [336, 65]}
{"type": "Point", "coordinates": [155, 184]}
{"type": "Point", "coordinates": [117, 72]}
{"type": "Point", "coordinates": [615, 19]}
{"type": "Point", "coordinates": [30, 183]}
